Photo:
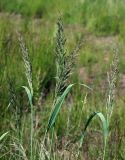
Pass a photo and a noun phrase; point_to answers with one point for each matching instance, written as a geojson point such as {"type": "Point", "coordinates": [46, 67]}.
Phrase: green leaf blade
{"type": "Point", "coordinates": [29, 94]}
{"type": "Point", "coordinates": [104, 125]}
{"type": "Point", "coordinates": [57, 107]}
{"type": "Point", "coordinates": [3, 135]}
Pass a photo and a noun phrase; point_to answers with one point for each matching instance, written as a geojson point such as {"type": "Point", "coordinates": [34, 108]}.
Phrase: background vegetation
{"type": "Point", "coordinates": [100, 25]}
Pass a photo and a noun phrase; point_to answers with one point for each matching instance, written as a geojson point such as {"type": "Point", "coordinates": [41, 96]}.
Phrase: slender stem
{"type": "Point", "coordinates": [105, 145]}
{"type": "Point", "coordinates": [31, 134]}
{"type": "Point", "coordinates": [105, 140]}
{"type": "Point", "coordinates": [31, 131]}
{"type": "Point", "coordinates": [52, 140]}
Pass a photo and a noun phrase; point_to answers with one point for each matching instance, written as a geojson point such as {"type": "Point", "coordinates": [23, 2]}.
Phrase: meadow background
{"type": "Point", "coordinates": [101, 24]}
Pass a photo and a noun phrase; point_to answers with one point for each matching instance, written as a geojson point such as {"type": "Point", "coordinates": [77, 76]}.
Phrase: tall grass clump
{"type": "Point", "coordinates": [46, 139]}
{"type": "Point", "coordinates": [112, 80]}
{"type": "Point", "coordinates": [64, 64]}
{"type": "Point", "coordinates": [29, 90]}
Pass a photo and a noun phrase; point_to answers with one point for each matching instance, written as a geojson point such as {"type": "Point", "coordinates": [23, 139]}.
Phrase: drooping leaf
{"type": "Point", "coordinates": [104, 125]}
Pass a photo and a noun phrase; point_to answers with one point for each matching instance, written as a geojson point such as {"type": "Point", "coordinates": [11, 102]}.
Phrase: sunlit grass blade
{"type": "Point", "coordinates": [3, 135]}
{"type": "Point", "coordinates": [84, 85]}
{"type": "Point", "coordinates": [57, 107]}
{"type": "Point", "coordinates": [104, 125]}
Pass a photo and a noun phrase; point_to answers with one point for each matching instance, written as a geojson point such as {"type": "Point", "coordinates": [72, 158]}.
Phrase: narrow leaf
{"type": "Point", "coordinates": [85, 86]}
{"type": "Point", "coordinates": [28, 94]}
{"type": "Point", "coordinates": [3, 135]}
{"type": "Point", "coordinates": [57, 107]}
{"type": "Point", "coordinates": [104, 125]}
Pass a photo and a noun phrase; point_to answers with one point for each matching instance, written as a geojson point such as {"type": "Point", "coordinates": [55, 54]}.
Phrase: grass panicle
{"type": "Point", "coordinates": [29, 91]}
{"type": "Point", "coordinates": [27, 62]}
{"type": "Point", "coordinates": [64, 62]}
{"type": "Point", "coordinates": [64, 65]}
{"type": "Point", "coordinates": [112, 80]}
{"type": "Point", "coordinates": [60, 52]}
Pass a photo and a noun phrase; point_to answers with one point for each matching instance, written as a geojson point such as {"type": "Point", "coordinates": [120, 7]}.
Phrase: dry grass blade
{"type": "Point", "coordinates": [20, 148]}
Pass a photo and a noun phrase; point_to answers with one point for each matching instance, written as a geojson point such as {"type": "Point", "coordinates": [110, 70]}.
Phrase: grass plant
{"type": "Point", "coordinates": [58, 114]}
